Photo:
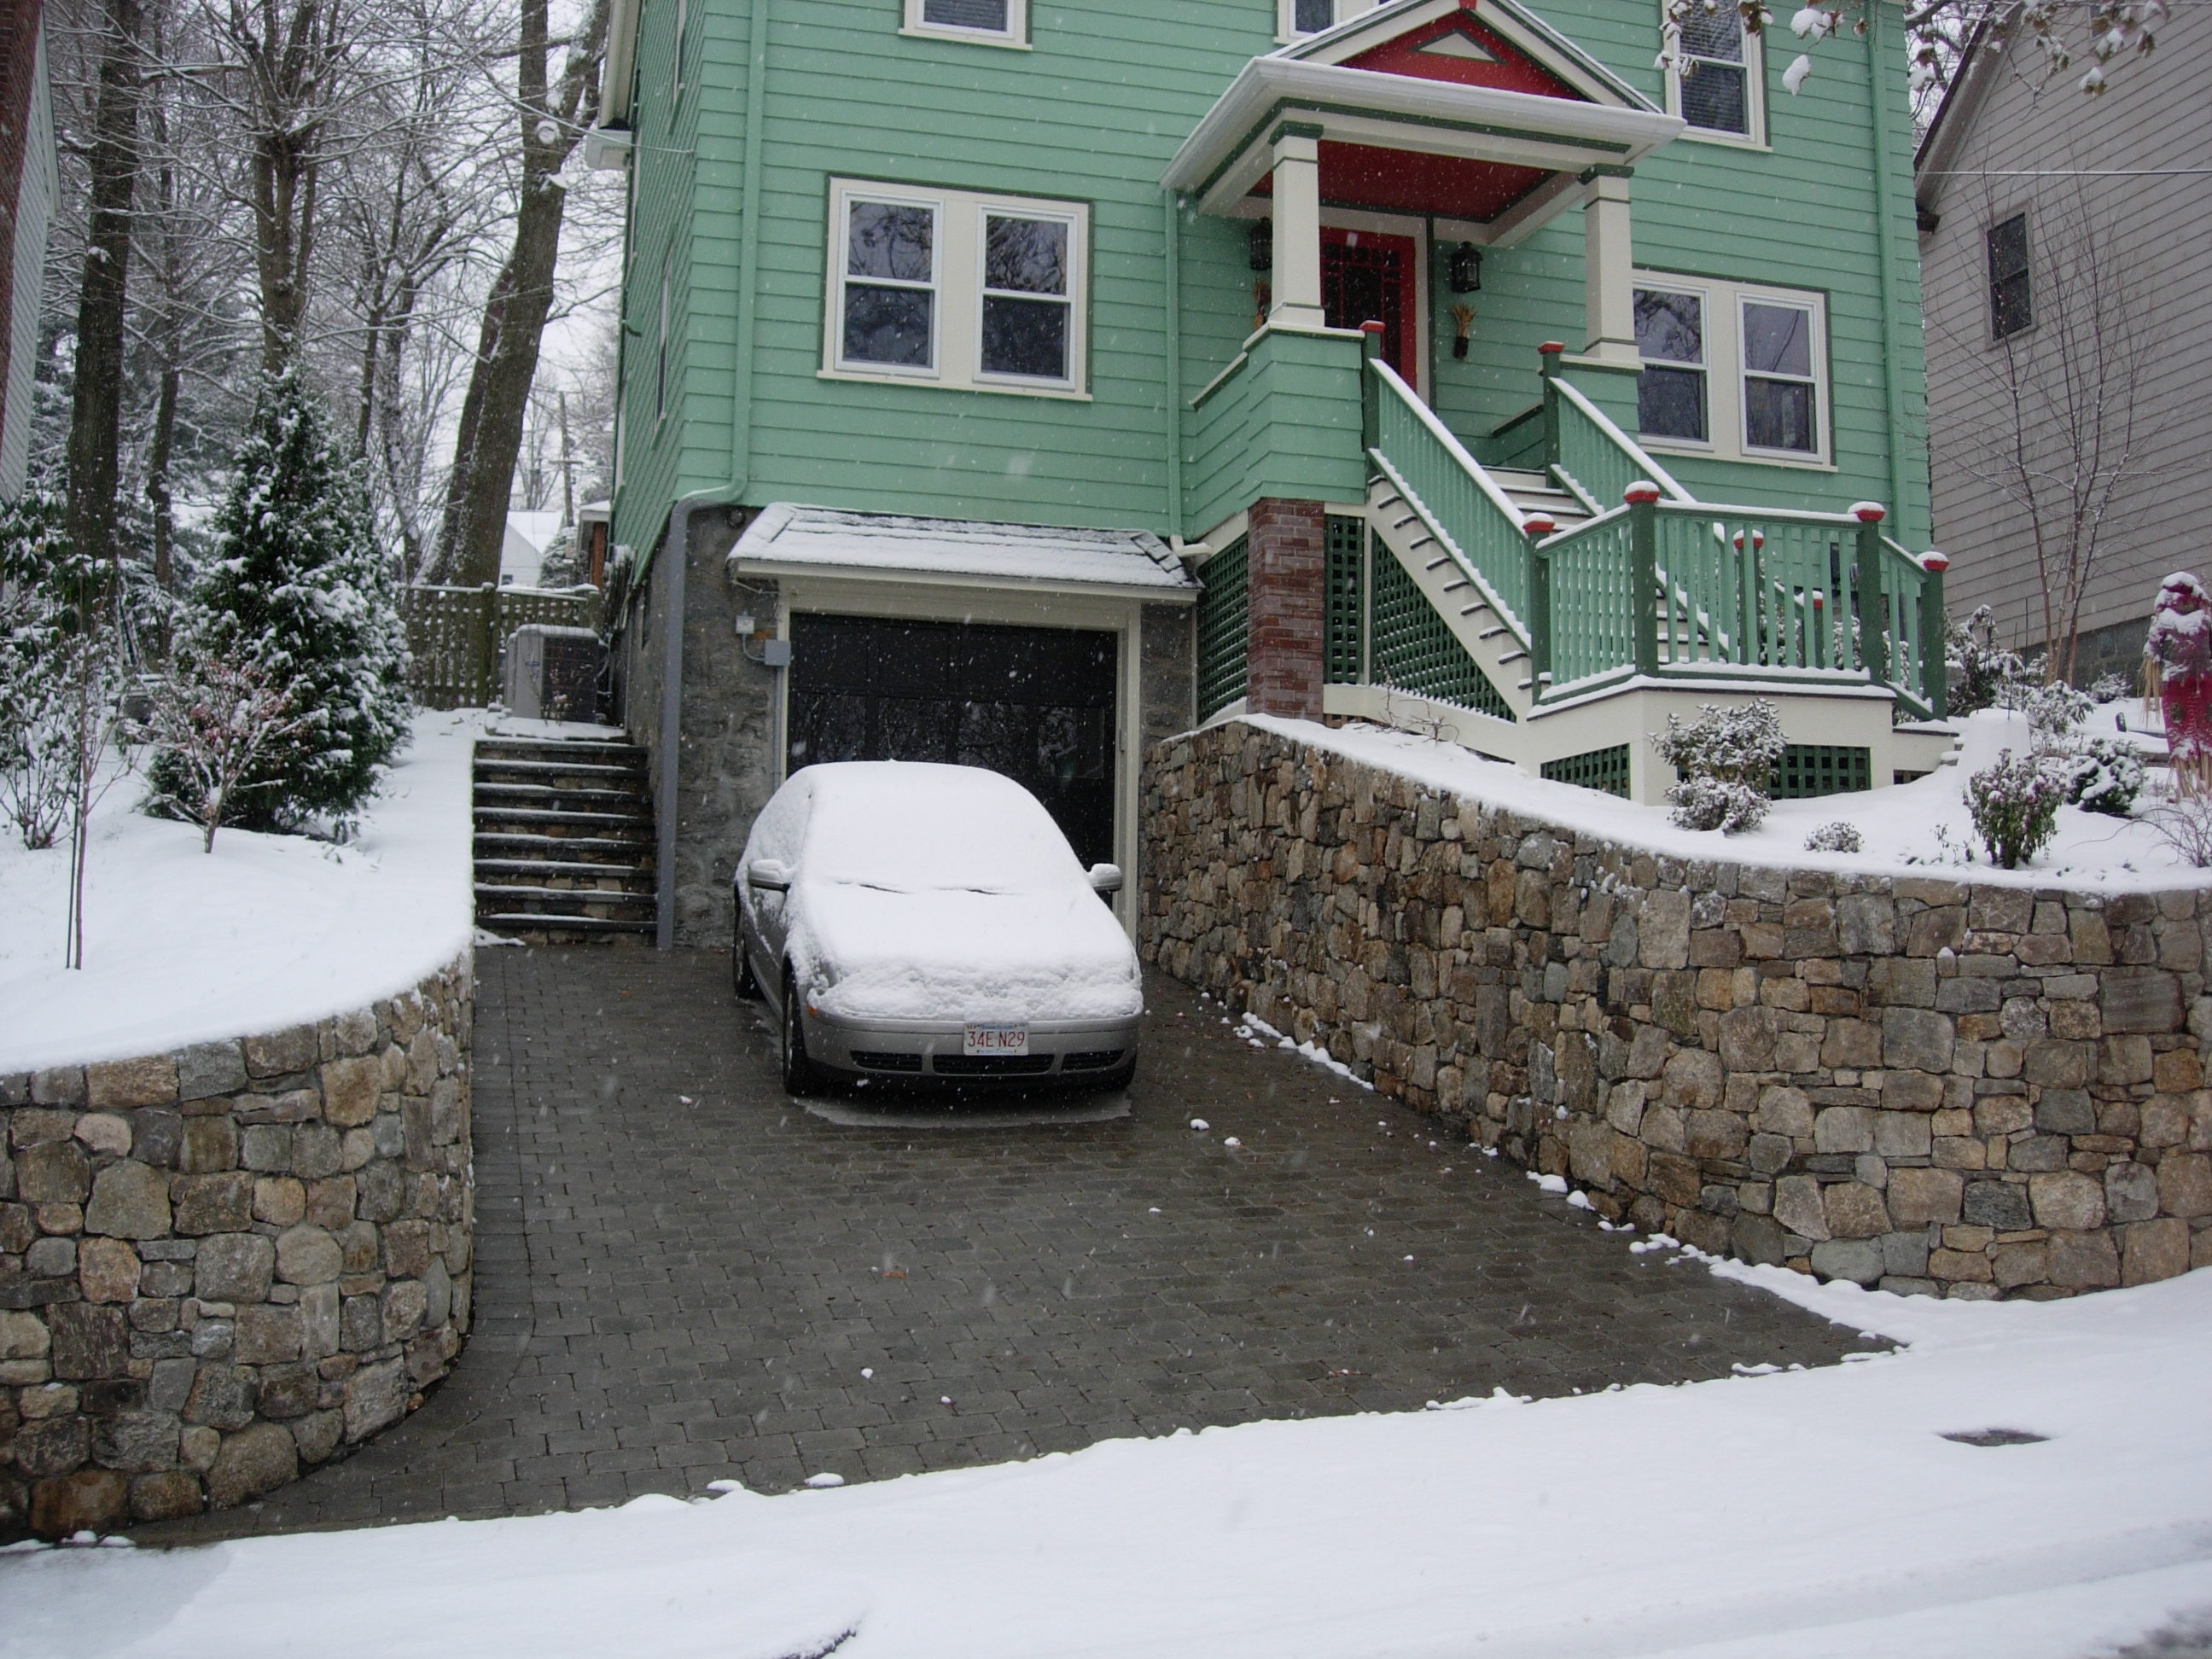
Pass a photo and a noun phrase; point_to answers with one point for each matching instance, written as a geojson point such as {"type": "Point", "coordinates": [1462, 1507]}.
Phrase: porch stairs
{"type": "Point", "coordinates": [564, 841]}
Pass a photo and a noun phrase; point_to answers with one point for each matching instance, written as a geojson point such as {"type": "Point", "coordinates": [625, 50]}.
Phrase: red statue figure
{"type": "Point", "coordinates": [2178, 664]}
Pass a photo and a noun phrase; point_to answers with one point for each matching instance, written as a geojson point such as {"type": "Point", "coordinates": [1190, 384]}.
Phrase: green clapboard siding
{"type": "Point", "coordinates": [1092, 112]}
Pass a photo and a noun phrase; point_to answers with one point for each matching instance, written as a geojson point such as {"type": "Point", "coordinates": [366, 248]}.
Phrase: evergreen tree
{"type": "Point", "coordinates": [295, 584]}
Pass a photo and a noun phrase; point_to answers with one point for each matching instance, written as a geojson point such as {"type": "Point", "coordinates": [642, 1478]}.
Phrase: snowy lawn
{"type": "Point", "coordinates": [1803, 1515]}
{"type": "Point", "coordinates": [264, 932]}
{"type": "Point", "coordinates": [1904, 829]}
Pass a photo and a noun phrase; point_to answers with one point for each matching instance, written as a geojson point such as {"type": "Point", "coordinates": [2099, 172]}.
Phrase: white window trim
{"type": "Point", "coordinates": [1286, 17]}
{"type": "Point", "coordinates": [1727, 417]}
{"type": "Point", "coordinates": [957, 334]}
{"type": "Point", "coordinates": [1754, 85]}
{"type": "Point", "coordinates": [1015, 36]}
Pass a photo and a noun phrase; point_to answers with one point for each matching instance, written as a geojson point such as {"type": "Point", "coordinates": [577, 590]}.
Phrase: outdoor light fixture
{"type": "Point", "coordinates": [1263, 244]}
{"type": "Point", "coordinates": [1465, 269]}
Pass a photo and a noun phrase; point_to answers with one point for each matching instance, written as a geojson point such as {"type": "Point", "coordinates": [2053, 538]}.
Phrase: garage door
{"type": "Point", "coordinates": [1035, 703]}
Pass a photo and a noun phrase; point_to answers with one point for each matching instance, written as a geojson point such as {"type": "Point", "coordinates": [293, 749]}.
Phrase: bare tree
{"type": "Point", "coordinates": [2055, 428]}
{"type": "Point", "coordinates": [552, 118]}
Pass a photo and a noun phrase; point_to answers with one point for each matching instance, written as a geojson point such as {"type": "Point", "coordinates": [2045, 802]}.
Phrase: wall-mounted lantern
{"type": "Point", "coordinates": [1262, 244]}
{"type": "Point", "coordinates": [1464, 269]}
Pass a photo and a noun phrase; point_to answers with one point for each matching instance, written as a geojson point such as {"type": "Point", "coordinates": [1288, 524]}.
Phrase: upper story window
{"type": "Point", "coordinates": [1738, 372]}
{"type": "Point", "coordinates": [983, 23]}
{"type": "Point", "coordinates": [982, 293]}
{"type": "Point", "coordinates": [2011, 305]}
{"type": "Point", "coordinates": [1715, 79]}
{"type": "Point", "coordinates": [1296, 17]}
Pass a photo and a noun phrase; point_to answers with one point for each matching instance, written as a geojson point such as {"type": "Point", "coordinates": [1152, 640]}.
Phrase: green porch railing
{"type": "Point", "coordinates": [1462, 506]}
{"type": "Point", "coordinates": [1673, 589]}
{"type": "Point", "coordinates": [1591, 456]}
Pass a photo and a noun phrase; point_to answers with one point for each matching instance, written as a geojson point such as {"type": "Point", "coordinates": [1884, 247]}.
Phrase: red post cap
{"type": "Point", "coordinates": [1868, 512]}
{"type": "Point", "coordinates": [1642, 490]}
{"type": "Point", "coordinates": [1820, 600]}
{"type": "Point", "coordinates": [1552, 348]}
{"type": "Point", "coordinates": [1371, 327]}
{"type": "Point", "coordinates": [1539, 524]}
{"type": "Point", "coordinates": [1938, 563]}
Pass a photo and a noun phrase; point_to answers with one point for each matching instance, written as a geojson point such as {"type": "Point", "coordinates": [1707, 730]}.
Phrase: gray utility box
{"type": "Point", "coordinates": [553, 674]}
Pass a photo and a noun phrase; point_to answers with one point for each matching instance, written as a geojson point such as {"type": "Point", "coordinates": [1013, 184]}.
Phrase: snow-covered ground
{"type": "Point", "coordinates": [265, 931]}
{"type": "Point", "coordinates": [1799, 1515]}
{"type": "Point", "coordinates": [1915, 829]}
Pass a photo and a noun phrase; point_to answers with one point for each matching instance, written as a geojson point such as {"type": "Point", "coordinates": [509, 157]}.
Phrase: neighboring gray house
{"type": "Point", "coordinates": [2065, 244]}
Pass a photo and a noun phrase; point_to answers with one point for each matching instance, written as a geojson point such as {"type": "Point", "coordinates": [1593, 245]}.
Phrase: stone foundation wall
{"type": "Point", "coordinates": [1932, 1085]}
{"type": "Point", "coordinates": [222, 1265]}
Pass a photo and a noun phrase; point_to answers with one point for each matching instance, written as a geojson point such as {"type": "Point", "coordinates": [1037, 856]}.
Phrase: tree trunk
{"type": "Point", "coordinates": [283, 236]}
{"type": "Point", "coordinates": [490, 434]}
{"type": "Point", "coordinates": [112, 162]}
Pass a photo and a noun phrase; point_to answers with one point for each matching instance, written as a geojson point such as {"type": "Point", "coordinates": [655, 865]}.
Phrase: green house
{"type": "Point", "coordinates": [1019, 382]}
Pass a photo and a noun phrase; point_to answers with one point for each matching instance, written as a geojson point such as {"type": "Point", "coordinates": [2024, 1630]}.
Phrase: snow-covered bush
{"type": "Point", "coordinates": [2053, 707]}
{"type": "Point", "coordinates": [1837, 837]}
{"type": "Point", "coordinates": [53, 664]}
{"type": "Point", "coordinates": [214, 725]}
{"type": "Point", "coordinates": [2014, 806]}
{"type": "Point", "coordinates": [2111, 688]}
{"type": "Point", "coordinates": [295, 581]}
{"type": "Point", "coordinates": [2103, 776]}
{"type": "Point", "coordinates": [1726, 758]}
{"type": "Point", "coordinates": [1983, 672]}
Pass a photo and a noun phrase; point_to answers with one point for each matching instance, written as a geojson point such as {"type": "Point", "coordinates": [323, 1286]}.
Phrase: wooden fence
{"type": "Point", "coordinates": [457, 635]}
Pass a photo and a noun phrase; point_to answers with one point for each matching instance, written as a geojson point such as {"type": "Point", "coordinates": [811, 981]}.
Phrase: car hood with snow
{"type": "Point", "coordinates": [929, 892]}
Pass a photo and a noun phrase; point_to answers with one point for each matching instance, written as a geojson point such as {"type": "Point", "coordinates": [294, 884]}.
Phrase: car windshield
{"type": "Point", "coordinates": [918, 827]}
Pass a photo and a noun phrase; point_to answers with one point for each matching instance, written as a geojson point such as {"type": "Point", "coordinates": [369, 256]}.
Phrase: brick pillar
{"type": "Point", "coordinates": [1285, 588]}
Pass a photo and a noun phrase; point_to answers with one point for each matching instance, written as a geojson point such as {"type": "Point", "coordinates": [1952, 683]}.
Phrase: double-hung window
{"type": "Point", "coordinates": [1296, 17]}
{"type": "Point", "coordinates": [1715, 73]}
{"type": "Point", "coordinates": [979, 22]}
{"type": "Point", "coordinates": [983, 292]}
{"type": "Point", "coordinates": [1733, 370]}
{"type": "Point", "coordinates": [2011, 305]}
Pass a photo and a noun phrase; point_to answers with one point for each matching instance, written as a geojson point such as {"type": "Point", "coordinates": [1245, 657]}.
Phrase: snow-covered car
{"type": "Point", "coordinates": [912, 923]}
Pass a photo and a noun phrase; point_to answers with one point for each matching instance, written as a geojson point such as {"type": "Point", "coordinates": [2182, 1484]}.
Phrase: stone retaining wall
{"type": "Point", "coordinates": [1932, 1084]}
{"type": "Point", "coordinates": [221, 1265]}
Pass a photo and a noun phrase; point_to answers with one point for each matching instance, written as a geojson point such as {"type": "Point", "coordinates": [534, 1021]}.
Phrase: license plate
{"type": "Point", "coordinates": [995, 1040]}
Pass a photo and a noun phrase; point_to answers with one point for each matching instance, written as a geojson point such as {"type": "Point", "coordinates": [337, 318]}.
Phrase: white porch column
{"type": "Point", "coordinates": [1608, 267]}
{"type": "Point", "coordinates": [1298, 301]}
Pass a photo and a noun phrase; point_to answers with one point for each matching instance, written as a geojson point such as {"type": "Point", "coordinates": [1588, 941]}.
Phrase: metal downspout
{"type": "Point", "coordinates": [1893, 370]}
{"type": "Point", "coordinates": [679, 544]}
{"type": "Point", "coordinates": [1171, 237]}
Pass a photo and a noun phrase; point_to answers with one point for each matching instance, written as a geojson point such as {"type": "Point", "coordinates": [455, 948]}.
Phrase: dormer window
{"type": "Point", "coordinates": [979, 22]}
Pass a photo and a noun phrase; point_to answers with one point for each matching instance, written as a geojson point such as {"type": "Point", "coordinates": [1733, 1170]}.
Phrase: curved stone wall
{"type": "Point", "coordinates": [224, 1265]}
{"type": "Point", "coordinates": [1929, 1084]}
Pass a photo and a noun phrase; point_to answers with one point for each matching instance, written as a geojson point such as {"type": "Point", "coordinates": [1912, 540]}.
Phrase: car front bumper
{"type": "Point", "coordinates": [1069, 1054]}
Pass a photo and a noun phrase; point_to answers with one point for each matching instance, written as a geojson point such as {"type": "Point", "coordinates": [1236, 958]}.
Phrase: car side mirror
{"type": "Point", "coordinates": [1105, 877]}
{"type": "Point", "coordinates": [768, 875]}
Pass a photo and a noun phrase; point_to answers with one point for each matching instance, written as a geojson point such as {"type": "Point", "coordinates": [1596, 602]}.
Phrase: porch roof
{"type": "Point", "coordinates": [788, 539]}
{"type": "Point", "coordinates": [1379, 85]}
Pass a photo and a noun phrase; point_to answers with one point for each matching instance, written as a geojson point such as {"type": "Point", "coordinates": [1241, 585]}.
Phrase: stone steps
{"type": "Point", "coordinates": [564, 841]}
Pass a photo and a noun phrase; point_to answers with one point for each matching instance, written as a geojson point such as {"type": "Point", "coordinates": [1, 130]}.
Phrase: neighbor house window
{"type": "Point", "coordinates": [2010, 306]}
{"type": "Point", "coordinates": [1737, 371]}
{"type": "Point", "coordinates": [984, 22]}
{"type": "Point", "coordinates": [1714, 79]}
{"type": "Point", "coordinates": [956, 288]}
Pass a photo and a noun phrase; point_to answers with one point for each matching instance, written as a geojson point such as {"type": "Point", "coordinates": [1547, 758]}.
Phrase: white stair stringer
{"type": "Point", "coordinates": [1493, 637]}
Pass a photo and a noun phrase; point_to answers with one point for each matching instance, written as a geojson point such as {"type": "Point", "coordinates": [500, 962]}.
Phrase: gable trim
{"type": "Point", "coordinates": [1522, 31]}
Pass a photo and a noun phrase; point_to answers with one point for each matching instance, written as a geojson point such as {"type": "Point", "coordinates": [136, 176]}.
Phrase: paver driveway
{"type": "Point", "coordinates": [683, 1277]}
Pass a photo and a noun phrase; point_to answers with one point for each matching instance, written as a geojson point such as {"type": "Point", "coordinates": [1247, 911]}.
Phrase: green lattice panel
{"type": "Point", "coordinates": [1596, 768]}
{"type": "Point", "coordinates": [1346, 635]}
{"type": "Point", "coordinates": [1808, 769]}
{"type": "Point", "coordinates": [1415, 651]}
{"type": "Point", "coordinates": [1223, 625]}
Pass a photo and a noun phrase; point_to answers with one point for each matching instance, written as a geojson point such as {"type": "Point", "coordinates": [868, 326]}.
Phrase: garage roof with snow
{"type": "Point", "coordinates": [791, 539]}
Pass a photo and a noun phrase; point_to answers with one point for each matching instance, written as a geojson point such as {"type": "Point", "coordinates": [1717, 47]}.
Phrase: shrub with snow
{"type": "Point", "coordinates": [1983, 672]}
{"type": "Point", "coordinates": [1726, 758]}
{"type": "Point", "coordinates": [214, 724]}
{"type": "Point", "coordinates": [2102, 775]}
{"type": "Point", "coordinates": [2014, 806]}
{"type": "Point", "coordinates": [296, 581]}
{"type": "Point", "coordinates": [56, 664]}
{"type": "Point", "coordinates": [2053, 708]}
{"type": "Point", "coordinates": [2111, 688]}
{"type": "Point", "coordinates": [1837, 837]}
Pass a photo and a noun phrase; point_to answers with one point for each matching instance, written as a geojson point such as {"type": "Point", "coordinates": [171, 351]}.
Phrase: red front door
{"type": "Point", "coordinates": [1366, 277]}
